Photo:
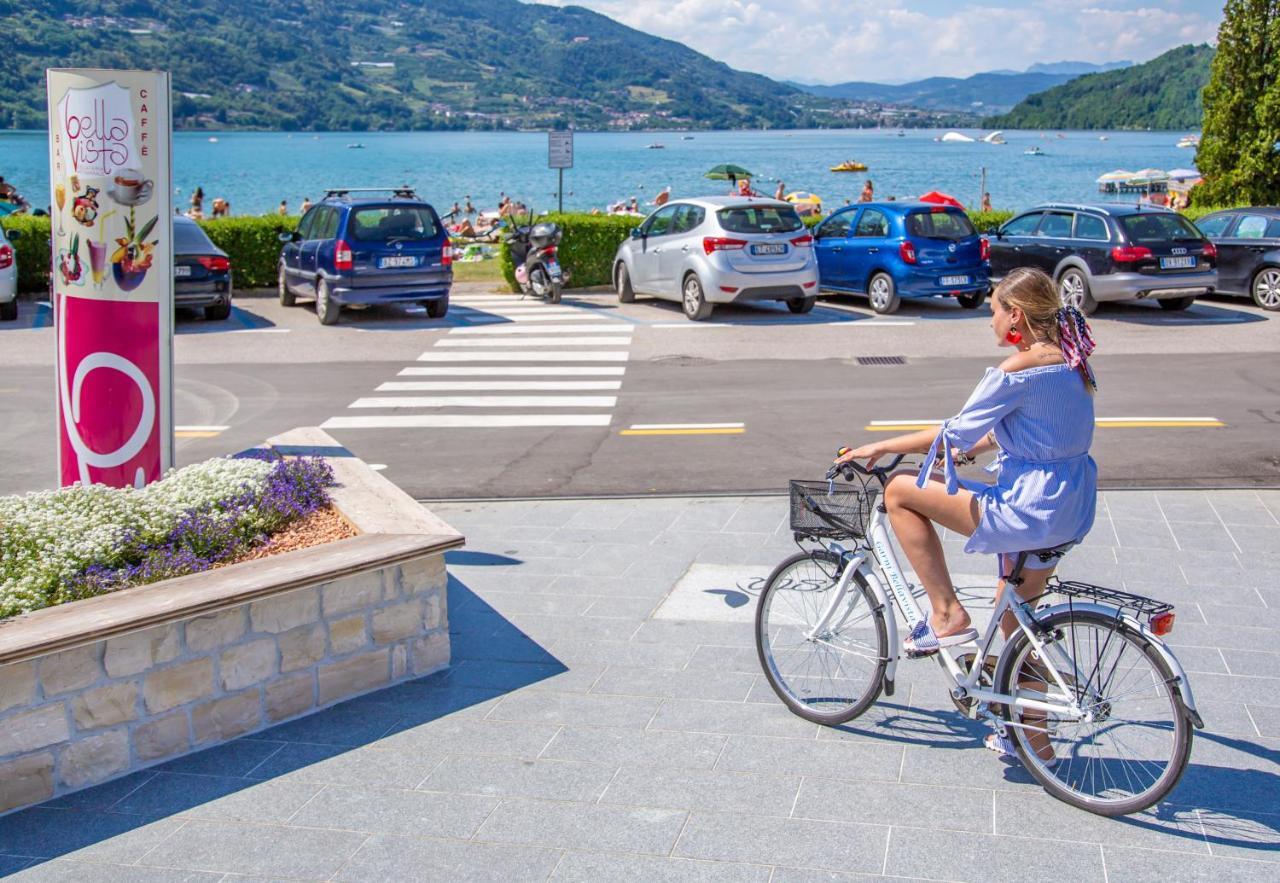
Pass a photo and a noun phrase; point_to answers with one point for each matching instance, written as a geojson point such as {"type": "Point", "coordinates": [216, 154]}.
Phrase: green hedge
{"type": "Point", "coordinates": [253, 244]}
{"type": "Point", "coordinates": [587, 248]}
{"type": "Point", "coordinates": [32, 251]}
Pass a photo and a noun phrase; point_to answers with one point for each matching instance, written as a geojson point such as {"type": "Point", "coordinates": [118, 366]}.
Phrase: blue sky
{"type": "Point", "coordinates": [831, 41]}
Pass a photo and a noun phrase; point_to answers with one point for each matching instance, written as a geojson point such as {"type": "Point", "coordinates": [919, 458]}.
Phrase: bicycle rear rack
{"type": "Point", "coordinates": [1140, 605]}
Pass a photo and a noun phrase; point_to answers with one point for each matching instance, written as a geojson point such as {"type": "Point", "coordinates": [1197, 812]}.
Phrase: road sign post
{"type": "Point", "coordinates": [112, 274]}
{"type": "Point", "coordinates": [560, 157]}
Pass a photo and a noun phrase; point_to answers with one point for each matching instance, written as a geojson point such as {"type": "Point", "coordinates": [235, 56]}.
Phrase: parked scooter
{"type": "Point", "coordinates": [534, 252]}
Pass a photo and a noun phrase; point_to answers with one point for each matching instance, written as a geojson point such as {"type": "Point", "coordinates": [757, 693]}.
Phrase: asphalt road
{"type": "Point", "coordinates": [741, 404]}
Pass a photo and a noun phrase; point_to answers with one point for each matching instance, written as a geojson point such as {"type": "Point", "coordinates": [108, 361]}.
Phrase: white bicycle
{"type": "Point", "coordinates": [1097, 707]}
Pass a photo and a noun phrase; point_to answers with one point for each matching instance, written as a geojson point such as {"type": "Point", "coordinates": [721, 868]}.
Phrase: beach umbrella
{"type": "Point", "coordinates": [1117, 175]}
{"type": "Point", "coordinates": [1183, 174]}
{"type": "Point", "coordinates": [939, 198]}
{"type": "Point", "coordinates": [1152, 174]}
{"type": "Point", "coordinates": [727, 171]}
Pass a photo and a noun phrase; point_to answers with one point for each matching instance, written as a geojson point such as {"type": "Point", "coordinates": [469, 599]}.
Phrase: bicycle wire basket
{"type": "Point", "coordinates": [823, 509]}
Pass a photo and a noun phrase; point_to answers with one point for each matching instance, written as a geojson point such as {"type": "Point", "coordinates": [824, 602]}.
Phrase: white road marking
{"type": "Point", "coordinates": [688, 425]}
{"type": "Point", "coordinates": [260, 331]}
{"type": "Point", "coordinates": [528, 311]}
{"type": "Point", "coordinates": [522, 356]}
{"type": "Point", "coordinates": [465, 421]}
{"type": "Point", "coordinates": [499, 386]}
{"type": "Point", "coordinates": [513, 328]}
{"type": "Point", "coordinates": [485, 402]}
{"type": "Point", "coordinates": [514, 371]}
{"type": "Point", "coordinates": [377, 467]}
{"type": "Point", "coordinates": [536, 341]}
{"type": "Point", "coordinates": [494, 319]}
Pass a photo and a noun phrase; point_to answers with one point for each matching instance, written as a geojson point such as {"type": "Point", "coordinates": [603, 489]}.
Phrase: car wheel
{"type": "Point", "coordinates": [217, 312]}
{"type": "Point", "coordinates": [287, 297]}
{"type": "Point", "coordinates": [1266, 288]}
{"type": "Point", "coordinates": [801, 304]}
{"type": "Point", "coordinates": [1176, 303]}
{"type": "Point", "coordinates": [883, 294]}
{"type": "Point", "coordinates": [438, 308]}
{"type": "Point", "coordinates": [9, 310]}
{"type": "Point", "coordinates": [694, 301]}
{"type": "Point", "coordinates": [1073, 290]}
{"type": "Point", "coordinates": [622, 283]}
{"type": "Point", "coordinates": [971, 301]}
{"type": "Point", "coordinates": [326, 310]}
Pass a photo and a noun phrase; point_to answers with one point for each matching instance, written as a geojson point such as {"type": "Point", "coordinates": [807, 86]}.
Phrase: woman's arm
{"type": "Point", "coordinates": [911, 443]}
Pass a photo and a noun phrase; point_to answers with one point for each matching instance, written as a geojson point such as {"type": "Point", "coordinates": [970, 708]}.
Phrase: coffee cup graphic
{"type": "Point", "coordinates": [130, 187]}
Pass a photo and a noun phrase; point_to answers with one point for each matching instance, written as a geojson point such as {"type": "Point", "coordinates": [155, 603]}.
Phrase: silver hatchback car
{"type": "Point", "coordinates": [719, 250]}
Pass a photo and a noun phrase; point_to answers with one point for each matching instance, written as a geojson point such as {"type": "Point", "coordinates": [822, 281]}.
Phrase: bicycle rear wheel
{"type": "Point", "coordinates": [831, 676]}
{"type": "Point", "coordinates": [1135, 747]}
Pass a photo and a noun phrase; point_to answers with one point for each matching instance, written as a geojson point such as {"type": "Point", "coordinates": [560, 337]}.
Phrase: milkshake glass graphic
{"type": "Point", "coordinates": [98, 262]}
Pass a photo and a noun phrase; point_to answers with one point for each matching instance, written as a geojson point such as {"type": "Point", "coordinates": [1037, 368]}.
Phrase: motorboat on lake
{"type": "Point", "coordinates": [850, 166]}
{"type": "Point", "coordinates": [1033, 151]}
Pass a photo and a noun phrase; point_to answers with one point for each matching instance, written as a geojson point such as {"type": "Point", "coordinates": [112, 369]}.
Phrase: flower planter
{"type": "Point", "coordinates": [99, 688]}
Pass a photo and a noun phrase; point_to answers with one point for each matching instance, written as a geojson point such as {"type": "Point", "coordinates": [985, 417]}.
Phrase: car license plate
{"type": "Point", "coordinates": [1178, 263]}
{"type": "Point", "coordinates": [181, 270]}
{"type": "Point", "coordinates": [769, 248]}
{"type": "Point", "coordinates": [955, 280]}
{"type": "Point", "coordinates": [406, 260]}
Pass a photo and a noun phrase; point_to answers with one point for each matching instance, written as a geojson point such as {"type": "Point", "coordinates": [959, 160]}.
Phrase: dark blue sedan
{"type": "Point", "coordinates": [892, 250]}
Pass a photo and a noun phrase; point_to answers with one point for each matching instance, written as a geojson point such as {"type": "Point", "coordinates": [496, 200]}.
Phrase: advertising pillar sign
{"type": "Point", "coordinates": [112, 274]}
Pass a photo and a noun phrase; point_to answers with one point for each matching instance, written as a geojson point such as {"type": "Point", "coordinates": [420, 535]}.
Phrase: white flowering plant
{"type": "Point", "coordinates": [57, 546]}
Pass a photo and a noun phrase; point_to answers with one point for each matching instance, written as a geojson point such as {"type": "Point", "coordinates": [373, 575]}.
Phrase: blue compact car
{"type": "Point", "coordinates": [354, 247]}
{"type": "Point", "coordinates": [892, 250]}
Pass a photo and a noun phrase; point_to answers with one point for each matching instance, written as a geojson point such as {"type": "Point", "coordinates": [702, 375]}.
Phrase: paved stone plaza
{"type": "Point", "coordinates": [598, 723]}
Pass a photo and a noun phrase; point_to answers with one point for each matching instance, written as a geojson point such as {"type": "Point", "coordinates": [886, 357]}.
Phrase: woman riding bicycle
{"type": "Point", "coordinates": [1036, 411]}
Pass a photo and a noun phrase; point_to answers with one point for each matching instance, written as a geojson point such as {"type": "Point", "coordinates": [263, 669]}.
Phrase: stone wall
{"type": "Point", "coordinates": [83, 715]}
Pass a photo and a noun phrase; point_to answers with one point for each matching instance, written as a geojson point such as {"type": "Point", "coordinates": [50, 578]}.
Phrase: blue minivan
{"type": "Point", "coordinates": [354, 247]}
{"type": "Point", "coordinates": [892, 250]}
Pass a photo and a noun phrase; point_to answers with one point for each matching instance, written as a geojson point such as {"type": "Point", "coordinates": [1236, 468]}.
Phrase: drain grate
{"type": "Point", "coordinates": [882, 360]}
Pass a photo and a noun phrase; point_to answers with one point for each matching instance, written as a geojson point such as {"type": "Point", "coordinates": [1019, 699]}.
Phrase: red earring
{"type": "Point", "coordinates": [1014, 336]}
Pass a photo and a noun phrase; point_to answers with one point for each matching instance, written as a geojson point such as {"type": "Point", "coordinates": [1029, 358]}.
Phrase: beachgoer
{"type": "Point", "coordinates": [220, 207]}
{"type": "Point", "coordinates": [469, 209]}
{"type": "Point", "coordinates": [197, 200]}
{"type": "Point", "coordinates": [986, 202]}
{"type": "Point", "coordinates": [456, 210]}
{"type": "Point", "coordinates": [781, 192]}
{"type": "Point", "coordinates": [595, 210]}
{"type": "Point", "coordinates": [633, 206]}
{"type": "Point", "coordinates": [7, 190]}
{"type": "Point", "coordinates": [284, 207]}
{"type": "Point", "coordinates": [868, 192]}
{"type": "Point", "coordinates": [306, 204]}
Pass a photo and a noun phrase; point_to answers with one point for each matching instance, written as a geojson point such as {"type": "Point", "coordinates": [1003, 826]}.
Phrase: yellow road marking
{"type": "Point", "coordinates": [194, 433]}
{"type": "Point", "coordinates": [738, 431]}
{"type": "Point", "coordinates": [1135, 424]}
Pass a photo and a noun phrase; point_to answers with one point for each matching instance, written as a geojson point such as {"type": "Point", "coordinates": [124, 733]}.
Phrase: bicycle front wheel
{"type": "Point", "coordinates": [823, 650]}
{"type": "Point", "coordinates": [1132, 743]}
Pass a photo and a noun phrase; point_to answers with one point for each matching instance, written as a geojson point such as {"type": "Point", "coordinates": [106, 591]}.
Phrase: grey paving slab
{"type": "Point", "coordinates": [1163, 827]}
{"type": "Point", "coordinates": [610, 587]}
{"type": "Point", "coordinates": [884, 803]}
{"type": "Point", "coordinates": [521, 777]}
{"type": "Point", "coordinates": [620, 608]}
{"type": "Point", "coordinates": [591, 867]}
{"type": "Point", "coordinates": [584, 826]}
{"type": "Point", "coordinates": [1156, 866]}
{"type": "Point", "coordinates": [233, 759]}
{"type": "Point", "coordinates": [629, 653]}
{"type": "Point", "coordinates": [1244, 834]}
{"type": "Point", "coordinates": [575, 708]}
{"type": "Point", "coordinates": [394, 811]}
{"type": "Point", "coordinates": [87, 836]}
{"type": "Point", "coordinates": [972, 766]}
{"type": "Point", "coordinates": [102, 796]}
{"type": "Point", "coordinates": [217, 797]}
{"type": "Point", "coordinates": [338, 765]}
{"type": "Point", "coordinates": [711, 657]}
{"type": "Point", "coordinates": [65, 871]}
{"type": "Point", "coordinates": [11, 864]}
{"type": "Point", "coordinates": [386, 857]}
{"type": "Point", "coordinates": [716, 685]}
{"type": "Point", "coordinates": [950, 855]}
{"type": "Point", "coordinates": [541, 627]}
{"type": "Point", "coordinates": [1266, 718]}
{"type": "Point", "coordinates": [827, 759]}
{"type": "Point", "coordinates": [650, 748]}
{"type": "Point", "coordinates": [266, 850]}
{"type": "Point", "coordinates": [665, 631]}
{"type": "Point", "coordinates": [708, 790]}
{"type": "Point", "coordinates": [502, 676]}
{"type": "Point", "coordinates": [335, 726]}
{"type": "Point", "coordinates": [695, 716]}
{"type": "Point", "coordinates": [1251, 662]}
{"type": "Point", "coordinates": [473, 736]}
{"type": "Point", "coordinates": [799, 842]}
{"type": "Point", "coordinates": [510, 603]}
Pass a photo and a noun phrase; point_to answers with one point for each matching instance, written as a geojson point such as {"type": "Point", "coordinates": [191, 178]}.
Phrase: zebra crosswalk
{"type": "Point", "coordinates": [513, 364]}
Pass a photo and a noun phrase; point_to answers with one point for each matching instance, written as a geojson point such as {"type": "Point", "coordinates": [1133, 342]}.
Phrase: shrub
{"type": "Point", "coordinates": [31, 250]}
{"type": "Point", "coordinates": [987, 222]}
{"type": "Point", "coordinates": [253, 244]}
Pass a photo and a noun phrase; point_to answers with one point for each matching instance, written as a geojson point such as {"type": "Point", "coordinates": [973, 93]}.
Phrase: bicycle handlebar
{"type": "Point", "coordinates": [847, 469]}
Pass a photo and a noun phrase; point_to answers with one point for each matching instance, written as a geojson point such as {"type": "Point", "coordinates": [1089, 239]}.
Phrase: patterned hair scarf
{"type": "Point", "coordinates": [1077, 342]}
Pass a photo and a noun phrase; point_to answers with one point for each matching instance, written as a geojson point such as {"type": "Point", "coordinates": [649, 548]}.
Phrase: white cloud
{"type": "Point", "coordinates": [893, 40]}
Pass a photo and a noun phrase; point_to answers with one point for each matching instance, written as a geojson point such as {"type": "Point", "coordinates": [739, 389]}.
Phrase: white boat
{"type": "Point", "coordinates": [1189, 141]}
{"type": "Point", "coordinates": [657, 145]}
{"type": "Point", "coordinates": [956, 138]}
{"type": "Point", "coordinates": [994, 138]}
{"type": "Point", "coordinates": [1103, 138]}
{"type": "Point", "coordinates": [213, 140]}
{"type": "Point", "coordinates": [1033, 151]}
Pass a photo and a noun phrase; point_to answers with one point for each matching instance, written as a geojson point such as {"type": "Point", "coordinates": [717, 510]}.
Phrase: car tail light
{"type": "Point", "coordinates": [801, 241]}
{"type": "Point", "coordinates": [1162, 624]}
{"type": "Point", "coordinates": [6, 257]}
{"type": "Point", "coordinates": [907, 251]}
{"type": "Point", "coordinates": [446, 256]}
{"type": "Point", "coordinates": [720, 243]}
{"type": "Point", "coordinates": [728, 289]}
{"type": "Point", "coordinates": [1210, 251]}
{"type": "Point", "coordinates": [1130, 254]}
{"type": "Point", "coordinates": [810, 284]}
{"type": "Point", "coordinates": [214, 263]}
{"type": "Point", "coordinates": [342, 259]}
{"type": "Point", "coordinates": [984, 248]}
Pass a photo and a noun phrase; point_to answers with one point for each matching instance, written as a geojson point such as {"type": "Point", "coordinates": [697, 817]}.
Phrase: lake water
{"type": "Point", "coordinates": [255, 170]}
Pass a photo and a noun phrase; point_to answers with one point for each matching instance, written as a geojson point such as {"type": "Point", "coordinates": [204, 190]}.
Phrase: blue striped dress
{"type": "Point", "coordinates": [1046, 482]}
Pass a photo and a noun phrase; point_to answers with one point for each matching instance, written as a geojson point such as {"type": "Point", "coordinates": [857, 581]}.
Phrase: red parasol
{"type": "Point", "coordinates": [939, 198]}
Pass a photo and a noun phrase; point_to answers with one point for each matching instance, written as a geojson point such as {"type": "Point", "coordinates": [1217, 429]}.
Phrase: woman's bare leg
{"type": "Point", "coordinates": [1033, 583]}
{"type": "Point", "coordinates": [912, 512]}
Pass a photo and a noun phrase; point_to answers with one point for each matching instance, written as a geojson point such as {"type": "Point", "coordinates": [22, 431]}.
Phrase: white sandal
{"type": "Point", "coordinates": [1004, 746]}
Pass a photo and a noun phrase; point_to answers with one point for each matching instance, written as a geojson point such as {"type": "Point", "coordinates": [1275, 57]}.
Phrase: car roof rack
{"type": "Point", "coordinates": [404, 191]}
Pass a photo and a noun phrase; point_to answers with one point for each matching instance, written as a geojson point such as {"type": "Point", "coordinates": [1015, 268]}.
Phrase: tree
{"type": "Point", "coordinates": [1238, 152]}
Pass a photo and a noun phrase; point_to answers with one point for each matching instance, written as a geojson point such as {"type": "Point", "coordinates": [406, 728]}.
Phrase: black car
{"type": "Point", "coordinates": [1248, 241]}
{"type": "Point", "coordinates": [201, 271]}
{"type": "Point", "coordinates": [1109, 252]}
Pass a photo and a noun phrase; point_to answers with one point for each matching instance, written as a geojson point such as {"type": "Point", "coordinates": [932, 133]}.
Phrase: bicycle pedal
{"type": "Point", "coordinates": [919, 654]}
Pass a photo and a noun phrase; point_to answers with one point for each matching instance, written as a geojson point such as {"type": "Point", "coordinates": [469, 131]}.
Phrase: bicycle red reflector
{"type": "Point", "coordinates": [1162, 624]}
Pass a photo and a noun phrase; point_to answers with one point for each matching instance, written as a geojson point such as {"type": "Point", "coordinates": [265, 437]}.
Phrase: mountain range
{"type": "Point", "coordinates": [988, 92]}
